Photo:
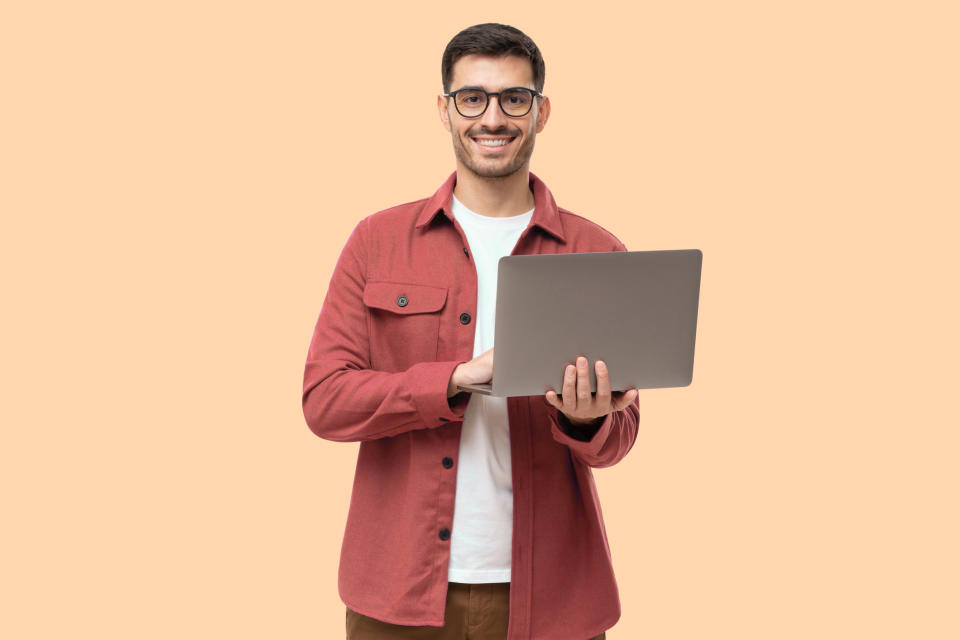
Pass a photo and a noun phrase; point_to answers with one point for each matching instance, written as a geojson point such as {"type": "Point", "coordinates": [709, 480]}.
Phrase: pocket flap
{"type": "Point", "coordinates": [398, 297]}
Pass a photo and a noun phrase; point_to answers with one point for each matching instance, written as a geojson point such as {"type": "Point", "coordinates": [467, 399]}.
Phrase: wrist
{"type": "Point", "coordinates": [454, 381]}
{"type": "Point", "coordinates": [583, 431]}
{"type": "Point", "coordinates": [587, 422]}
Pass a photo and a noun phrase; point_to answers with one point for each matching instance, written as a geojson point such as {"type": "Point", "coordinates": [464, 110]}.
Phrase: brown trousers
{"type": "Point", "coordinates": [474, 612]}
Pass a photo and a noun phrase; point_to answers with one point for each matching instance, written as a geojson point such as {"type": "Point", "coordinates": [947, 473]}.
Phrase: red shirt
{"type": "Point", "coordinates": [397, 320]}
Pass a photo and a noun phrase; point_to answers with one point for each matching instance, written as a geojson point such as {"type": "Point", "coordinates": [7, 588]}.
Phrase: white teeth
{"type": "Point", "coordinates": [492, 143]}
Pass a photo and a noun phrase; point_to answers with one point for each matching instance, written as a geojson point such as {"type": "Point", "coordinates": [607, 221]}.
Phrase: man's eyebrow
{"type": "Point", "coordinates": [471, 87]}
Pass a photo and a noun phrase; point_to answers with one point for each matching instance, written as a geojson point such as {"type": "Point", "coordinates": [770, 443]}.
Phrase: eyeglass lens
{"type": "Point", "coordinates": [514, 102]}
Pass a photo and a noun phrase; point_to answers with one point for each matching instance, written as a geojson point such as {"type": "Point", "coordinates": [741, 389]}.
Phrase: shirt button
{"type": "Point", "coordinates": [444, 534]}
{"type": "Point", "coordinates": [402, 301]}
{"type": "Point", "coordinates": [447, 462]}
{"type": "Point", "coordinates": [464, 318]}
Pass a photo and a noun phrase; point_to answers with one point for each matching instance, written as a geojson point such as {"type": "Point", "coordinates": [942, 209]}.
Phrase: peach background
{"type": "Point", "coordinates": [178, 179]}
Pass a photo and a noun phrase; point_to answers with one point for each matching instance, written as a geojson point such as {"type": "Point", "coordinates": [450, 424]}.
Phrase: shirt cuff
{"type": "Point", "coordinates": [590, 448]}
{"type": "Point", "coordinates": [430, 383]}
{"type": "Point", "coordinates": [581, 432]}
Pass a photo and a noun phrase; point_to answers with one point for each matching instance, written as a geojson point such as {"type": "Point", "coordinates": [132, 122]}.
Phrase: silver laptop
{"type": "Point", "coordinates": [635, 310]}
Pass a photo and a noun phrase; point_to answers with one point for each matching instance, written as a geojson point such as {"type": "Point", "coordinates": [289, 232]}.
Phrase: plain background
{"type": "Point", "coordinates": [178, 179]}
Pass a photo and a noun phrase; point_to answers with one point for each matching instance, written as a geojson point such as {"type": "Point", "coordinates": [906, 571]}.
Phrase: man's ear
{"type": "Point", "coordinates": [543, 113]}
{"type": "Point", "coordinates": [442, 109]}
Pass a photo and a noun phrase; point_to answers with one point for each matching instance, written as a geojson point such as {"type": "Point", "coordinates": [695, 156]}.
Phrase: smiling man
{"type": "Point", "coordinates": [472, 517]}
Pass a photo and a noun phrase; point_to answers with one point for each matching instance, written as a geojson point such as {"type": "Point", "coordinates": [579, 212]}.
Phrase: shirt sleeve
{"type": "Point", "coordinates": [615, 436]}
{"type": "Point", "coordinates": [343, 398]}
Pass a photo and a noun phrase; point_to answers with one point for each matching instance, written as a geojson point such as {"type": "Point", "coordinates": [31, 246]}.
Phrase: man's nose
{"type": "Point", "coordinates": [494, 117]}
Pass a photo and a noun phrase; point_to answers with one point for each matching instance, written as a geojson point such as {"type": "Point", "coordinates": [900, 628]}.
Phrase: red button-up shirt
{"type": "Point", "coordinates": [389, 335]}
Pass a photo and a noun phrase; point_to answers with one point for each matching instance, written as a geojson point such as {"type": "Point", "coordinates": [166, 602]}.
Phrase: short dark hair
{"type": "Point", "coordinates": [492, 39]}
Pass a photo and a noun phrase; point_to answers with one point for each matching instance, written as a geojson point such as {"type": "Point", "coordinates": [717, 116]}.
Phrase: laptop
{"type": "Point", "coordinates": [635, 310]}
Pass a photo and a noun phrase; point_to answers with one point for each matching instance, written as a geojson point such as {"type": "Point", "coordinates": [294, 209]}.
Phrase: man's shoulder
{"type": "Point", "coordinates": [401, 215]}
{"type": "Point", "coordinates": [588, 233]}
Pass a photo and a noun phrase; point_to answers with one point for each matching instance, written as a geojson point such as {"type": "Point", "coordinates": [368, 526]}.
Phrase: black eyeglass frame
{"type": "Point", "coordinates": [453, 94]}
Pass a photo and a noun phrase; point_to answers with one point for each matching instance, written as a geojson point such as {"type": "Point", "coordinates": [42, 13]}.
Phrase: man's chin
{"type": "Point", "coordinates": [492, 172]}
{"type": "Point", "coordinates": [493, 175]}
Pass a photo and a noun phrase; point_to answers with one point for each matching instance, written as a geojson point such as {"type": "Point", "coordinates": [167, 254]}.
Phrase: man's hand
{"type": "Point", "coordinates": [477, 371]}
{"type": "Point", "coordinates": [578, 404]}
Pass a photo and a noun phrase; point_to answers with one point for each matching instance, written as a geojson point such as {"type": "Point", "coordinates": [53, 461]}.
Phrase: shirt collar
{"type": "Point", "coordinates": [545, 212]}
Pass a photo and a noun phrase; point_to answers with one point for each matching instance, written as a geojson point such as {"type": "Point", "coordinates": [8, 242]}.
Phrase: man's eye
{"type": "Point", "coordinates": [516, 99]}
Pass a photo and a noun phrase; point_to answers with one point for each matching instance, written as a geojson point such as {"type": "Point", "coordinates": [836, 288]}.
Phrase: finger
{"type": "Point", "coordinates": [623, 399]}
{"type": "Point", "coordinates": [603, 384]}
{"type": "Point", "coordinates": [569, 395]}
{"type": "Point", "coordinates": [551, 397]}
{"type": "Point", "coordinates": [583, 384]}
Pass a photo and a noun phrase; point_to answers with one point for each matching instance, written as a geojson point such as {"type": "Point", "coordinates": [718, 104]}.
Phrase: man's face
{"type": "Point", "coordinates": [493, 74]}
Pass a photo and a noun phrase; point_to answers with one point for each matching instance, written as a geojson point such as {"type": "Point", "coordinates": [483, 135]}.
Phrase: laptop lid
{"type": "Point", "coordinates": [635, 310]}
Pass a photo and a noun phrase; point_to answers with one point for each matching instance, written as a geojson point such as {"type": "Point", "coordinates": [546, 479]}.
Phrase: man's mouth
{"type": "Point", "coordinates": [493, 142]}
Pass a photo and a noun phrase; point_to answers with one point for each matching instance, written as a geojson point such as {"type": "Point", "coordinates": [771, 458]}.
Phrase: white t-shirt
{"type": "Point", "coordinates": [482, 532]}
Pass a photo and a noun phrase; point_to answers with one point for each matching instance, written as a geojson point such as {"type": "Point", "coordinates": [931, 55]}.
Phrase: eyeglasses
{"type": "Point", "coordinates": [472, 102]}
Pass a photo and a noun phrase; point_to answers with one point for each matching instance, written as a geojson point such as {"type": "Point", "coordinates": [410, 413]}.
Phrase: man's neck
{"type": "Point", "coordinates": [495, 197]}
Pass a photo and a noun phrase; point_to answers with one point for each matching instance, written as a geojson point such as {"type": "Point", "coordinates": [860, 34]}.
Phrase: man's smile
{"type": "Point", "coordinates": [492, 142]}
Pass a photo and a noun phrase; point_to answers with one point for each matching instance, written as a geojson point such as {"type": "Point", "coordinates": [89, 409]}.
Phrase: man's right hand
{"type": "Point", "coordinates": [477, 371]}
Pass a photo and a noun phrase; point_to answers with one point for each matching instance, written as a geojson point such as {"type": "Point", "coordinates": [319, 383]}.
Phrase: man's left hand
{"type": "Point", "coordinates": [578, 404]}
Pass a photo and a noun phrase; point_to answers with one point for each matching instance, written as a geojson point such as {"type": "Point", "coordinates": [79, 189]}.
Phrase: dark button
{"type": "Point", "coordinates": [402, 301]}
{"type": "Point", "coordinates": [444, 534]}
{"type": "Point", "coordinates": [464, 318]}
{"type": "Point", "coordinates": [444, 420]}
{"type": "Point", "coordinates": [465, 252]}
{"type": "Point", "coordinates": [447, 462]}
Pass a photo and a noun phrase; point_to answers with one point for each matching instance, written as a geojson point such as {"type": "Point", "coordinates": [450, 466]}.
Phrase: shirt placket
{"type": "Point", "coordinates": [460, 321]}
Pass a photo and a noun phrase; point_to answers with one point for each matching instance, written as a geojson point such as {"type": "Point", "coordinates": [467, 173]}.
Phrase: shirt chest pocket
{"type": "Point", "coordinates": [404, 323]}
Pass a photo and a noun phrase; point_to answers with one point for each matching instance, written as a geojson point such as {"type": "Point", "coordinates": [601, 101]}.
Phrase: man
{"type": "Point", "coordinates": [471, 516]}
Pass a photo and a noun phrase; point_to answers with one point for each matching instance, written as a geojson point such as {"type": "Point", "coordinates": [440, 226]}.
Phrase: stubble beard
{"type": "Point", "coordinates": [519, 160]}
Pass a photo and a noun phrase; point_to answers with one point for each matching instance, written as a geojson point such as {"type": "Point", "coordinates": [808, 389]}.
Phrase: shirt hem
{"type": "Point", "coordinates": [408, 622]}
{"type": "Point", "coordinates": [603, 628]}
